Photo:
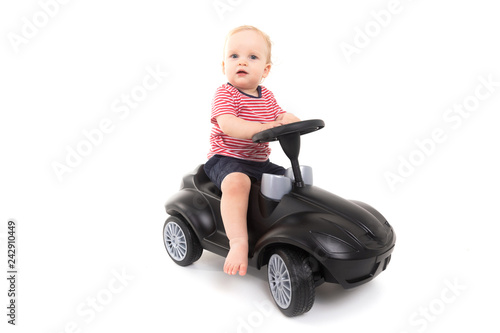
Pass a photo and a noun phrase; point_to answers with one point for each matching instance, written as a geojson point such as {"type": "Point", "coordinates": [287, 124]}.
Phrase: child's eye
{"type": "Point", "coordinates": [234, 56]}
{"type": "Point", "coordinates": [253, 57]}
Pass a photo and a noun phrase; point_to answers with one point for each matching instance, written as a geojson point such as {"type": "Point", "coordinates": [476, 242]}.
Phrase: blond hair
{"type": "Point", "coordinates": [249, 27]}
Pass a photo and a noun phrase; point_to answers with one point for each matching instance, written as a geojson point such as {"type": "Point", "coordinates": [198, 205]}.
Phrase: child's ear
{"type": "Point", "coordinates": [223, 68]}
{"type": "Point", "coordinates": [267, 69]}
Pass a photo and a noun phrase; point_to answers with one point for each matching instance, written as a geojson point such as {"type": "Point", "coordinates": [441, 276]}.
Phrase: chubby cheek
{"type": "Point", "coordinates": [231, 69]}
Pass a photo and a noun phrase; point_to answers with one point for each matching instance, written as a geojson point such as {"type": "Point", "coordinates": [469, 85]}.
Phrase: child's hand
{"type": "Point", "coordinates": [287, 118]}
{"type": "Point", "coordinates": [272, 124]}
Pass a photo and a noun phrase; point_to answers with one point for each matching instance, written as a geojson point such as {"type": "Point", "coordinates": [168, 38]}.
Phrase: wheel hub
{"type": "Point", "coordinates": [175, 241]}
{"type": "Point", "coordinates": [279, 281]}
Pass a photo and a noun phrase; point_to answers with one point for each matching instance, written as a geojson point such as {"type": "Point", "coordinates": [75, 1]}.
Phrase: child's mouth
{"type": "Point", "coordinates": [241, 72]}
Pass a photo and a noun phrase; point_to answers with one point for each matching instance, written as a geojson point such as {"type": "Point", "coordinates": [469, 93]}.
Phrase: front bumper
{"type": "Point", "coordinates": [352, 273]}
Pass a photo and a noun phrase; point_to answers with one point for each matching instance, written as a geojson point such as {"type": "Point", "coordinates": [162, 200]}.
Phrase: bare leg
{"type": "Point", "coordinates": [234, 205]}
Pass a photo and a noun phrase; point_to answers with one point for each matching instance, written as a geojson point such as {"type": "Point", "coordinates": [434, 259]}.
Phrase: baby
{"type": "Point", "coordinates": [240, 109]}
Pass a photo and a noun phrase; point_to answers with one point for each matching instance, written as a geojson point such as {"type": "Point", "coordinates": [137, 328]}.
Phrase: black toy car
{"type": "Point", "coordinates": [304, 235]}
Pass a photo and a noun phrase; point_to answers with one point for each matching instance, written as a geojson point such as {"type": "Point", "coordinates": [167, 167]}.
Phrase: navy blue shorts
{"type": "Point", "coordinates": [219, 166]}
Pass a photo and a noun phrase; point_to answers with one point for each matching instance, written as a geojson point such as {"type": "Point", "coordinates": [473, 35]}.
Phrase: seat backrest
{"type": "Point", "coordinates": [204, 184]}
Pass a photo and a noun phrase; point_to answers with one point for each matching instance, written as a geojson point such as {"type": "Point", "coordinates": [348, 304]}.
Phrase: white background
{"type": "Point", "coordinates": [105, 217]}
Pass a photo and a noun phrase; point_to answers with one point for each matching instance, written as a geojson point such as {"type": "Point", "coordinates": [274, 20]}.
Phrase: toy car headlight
{"type": "Point", "coordinates": [332, 244]}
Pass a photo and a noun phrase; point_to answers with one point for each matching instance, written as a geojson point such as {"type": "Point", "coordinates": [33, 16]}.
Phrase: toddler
{"type": "Point", "coordinates": [240, 109]}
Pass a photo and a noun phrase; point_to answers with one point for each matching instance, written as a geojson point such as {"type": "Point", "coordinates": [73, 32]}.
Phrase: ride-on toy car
{"type": "Point", "coordinates": [304, 235]}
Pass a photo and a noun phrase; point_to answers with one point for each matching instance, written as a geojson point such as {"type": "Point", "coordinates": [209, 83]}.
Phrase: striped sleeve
{"type": "Point", "coordinates": [223, 103]}
{"type": "Point", "coordinates": [275, 107]}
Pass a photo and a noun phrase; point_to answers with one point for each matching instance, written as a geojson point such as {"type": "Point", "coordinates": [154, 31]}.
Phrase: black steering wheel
{"type": "Point", "coordinates": [289, 138]}
{"type": "Point", "coordinates": [300, 127]}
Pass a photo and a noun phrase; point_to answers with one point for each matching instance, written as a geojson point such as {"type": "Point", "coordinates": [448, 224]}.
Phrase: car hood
{"type": "Point", "coordinates": [363, 224]}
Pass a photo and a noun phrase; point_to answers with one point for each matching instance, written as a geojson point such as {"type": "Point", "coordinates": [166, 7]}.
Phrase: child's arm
{"type": "Point", "coordinates": [242, 129]}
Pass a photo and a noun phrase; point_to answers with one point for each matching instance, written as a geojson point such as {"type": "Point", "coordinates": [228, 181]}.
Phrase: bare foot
{"type": "Point", "coordinates": [237, 258]}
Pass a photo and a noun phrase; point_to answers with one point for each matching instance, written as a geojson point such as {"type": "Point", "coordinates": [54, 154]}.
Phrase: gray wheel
{"type": "Point", "coordinates": [180, 241]}
{"type": "Point", "coordinates": [175, 241]}
{"type": "Point", "coordinates": [279, 281]}
{"type": "Point", "coordinates": [291, 281]}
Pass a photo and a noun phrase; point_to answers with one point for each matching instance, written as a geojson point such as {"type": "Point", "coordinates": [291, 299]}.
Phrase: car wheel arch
{"type": "Point", "coordinates": [194, 210]}
{"type": "Point", "coordinates": [265, 253]}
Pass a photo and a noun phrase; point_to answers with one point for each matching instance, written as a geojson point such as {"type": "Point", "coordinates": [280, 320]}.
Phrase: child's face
{"type": "Point", "coordinates": [245, 60]}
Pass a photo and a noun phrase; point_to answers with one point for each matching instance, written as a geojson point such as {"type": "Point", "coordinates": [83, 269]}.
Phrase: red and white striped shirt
{"type": "Point", "coordinates": [262, 109]}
